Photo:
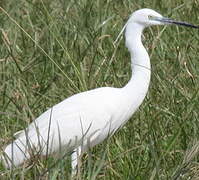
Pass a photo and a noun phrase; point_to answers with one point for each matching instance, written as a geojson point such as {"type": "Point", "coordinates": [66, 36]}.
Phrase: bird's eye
{"type": "Point", "coordinates": [151, 17]}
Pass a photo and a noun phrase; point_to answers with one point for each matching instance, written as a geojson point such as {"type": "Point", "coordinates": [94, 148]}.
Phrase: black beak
{"type": "Point", "coordinates": [179, 23]}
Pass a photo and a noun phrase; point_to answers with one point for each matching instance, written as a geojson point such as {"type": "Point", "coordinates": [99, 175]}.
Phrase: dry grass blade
{"type": "Point", "coordinates": [188, 168]}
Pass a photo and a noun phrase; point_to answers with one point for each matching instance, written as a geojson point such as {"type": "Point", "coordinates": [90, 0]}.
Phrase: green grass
{"type": "Point", "coordinates": [53, 49]}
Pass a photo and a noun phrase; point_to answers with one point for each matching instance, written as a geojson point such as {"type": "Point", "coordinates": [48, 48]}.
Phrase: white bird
{"type": "Point", "coordinates": [86, 119]}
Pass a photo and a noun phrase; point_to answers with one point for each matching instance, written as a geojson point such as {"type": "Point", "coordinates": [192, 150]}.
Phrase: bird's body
{"type": "Point", "coordinates": [82, 120]}
{"type": "Point", "coordinates": [86, 119]}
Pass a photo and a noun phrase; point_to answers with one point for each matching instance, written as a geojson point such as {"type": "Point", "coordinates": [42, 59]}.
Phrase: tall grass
{"type": "Point", "coordinates": [53, 49]}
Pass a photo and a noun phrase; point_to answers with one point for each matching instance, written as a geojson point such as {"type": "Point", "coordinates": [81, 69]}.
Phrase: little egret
{"type": "Point", "coordinates": [86, 119]}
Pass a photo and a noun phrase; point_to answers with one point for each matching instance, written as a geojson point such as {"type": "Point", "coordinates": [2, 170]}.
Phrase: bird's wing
{"type": "Point", "coordinates": [84, 119]}
{"type": "Point", "coordinates": [69, 122]}
{"type": "Point", "coordinates": [67, 130]}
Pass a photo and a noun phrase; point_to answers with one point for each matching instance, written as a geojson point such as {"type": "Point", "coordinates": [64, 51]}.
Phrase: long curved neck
{"type": "Point", "coordinates": [138, 85]}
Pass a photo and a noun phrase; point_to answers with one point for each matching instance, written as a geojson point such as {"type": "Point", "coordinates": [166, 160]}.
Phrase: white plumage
{"type": "Point", "coordinates": [86, 119]}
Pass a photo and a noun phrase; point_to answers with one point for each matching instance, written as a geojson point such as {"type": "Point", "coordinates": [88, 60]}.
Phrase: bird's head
{"type": "Point", "coordinates": [145, 17]}
{"type": "Point", "coordinates": [148, 17]}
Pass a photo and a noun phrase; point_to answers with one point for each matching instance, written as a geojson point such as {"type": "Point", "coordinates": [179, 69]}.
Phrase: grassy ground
{"type": "Point", "coordinates": [53, 49]}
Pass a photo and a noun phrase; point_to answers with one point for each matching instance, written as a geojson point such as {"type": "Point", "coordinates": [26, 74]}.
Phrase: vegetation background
{"type": "Point", "coordinates": [51, 50]}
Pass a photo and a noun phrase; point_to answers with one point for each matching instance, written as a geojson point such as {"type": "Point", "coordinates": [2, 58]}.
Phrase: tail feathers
{"type": "Point", "coordinates": [14, 154]}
